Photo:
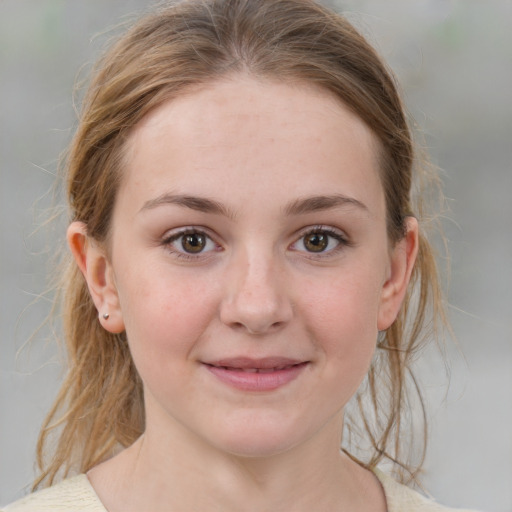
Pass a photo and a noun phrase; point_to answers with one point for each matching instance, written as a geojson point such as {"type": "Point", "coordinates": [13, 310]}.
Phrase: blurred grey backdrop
{"type": "Point", "coordinates": [454, 60]}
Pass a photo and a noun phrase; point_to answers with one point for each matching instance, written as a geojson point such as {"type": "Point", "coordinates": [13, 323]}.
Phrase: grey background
{"type": "Point", "coordinates": [454, 60]}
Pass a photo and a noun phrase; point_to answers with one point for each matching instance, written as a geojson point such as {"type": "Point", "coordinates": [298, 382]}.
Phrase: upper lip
{"type": "Point", "coordinates": [264, 363]}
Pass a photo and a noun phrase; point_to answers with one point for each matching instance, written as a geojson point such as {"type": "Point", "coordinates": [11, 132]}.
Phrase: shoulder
{"type": "Point", "coordinates": [73, 494]}
{"type": "Point", "coordinates": [403, 499]}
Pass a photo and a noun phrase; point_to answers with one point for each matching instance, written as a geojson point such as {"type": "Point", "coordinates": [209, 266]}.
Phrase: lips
{"type": "Point", "coordinates": [256, 370]}
{"type": "Point", "coordinates": [265, 374]}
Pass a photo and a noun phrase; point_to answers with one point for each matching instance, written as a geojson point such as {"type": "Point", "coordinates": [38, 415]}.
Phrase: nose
{"type": "Point", "coordinates": [257, 299]}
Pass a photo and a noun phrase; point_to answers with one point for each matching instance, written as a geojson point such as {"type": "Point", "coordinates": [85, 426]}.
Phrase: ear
{"type": "Point", "coordinates": [402, 259]}
{"type": "Point", "coordinates": [92, 260]}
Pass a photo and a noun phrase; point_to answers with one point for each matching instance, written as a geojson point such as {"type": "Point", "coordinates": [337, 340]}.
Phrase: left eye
{"type": "Point", "coordinates": [318, 241]}
{"type": "Point", "coordinates": [191, 242]}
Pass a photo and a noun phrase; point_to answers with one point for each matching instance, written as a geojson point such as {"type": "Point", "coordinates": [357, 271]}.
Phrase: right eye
{"type": "Point", "coordinates": [190, 242]}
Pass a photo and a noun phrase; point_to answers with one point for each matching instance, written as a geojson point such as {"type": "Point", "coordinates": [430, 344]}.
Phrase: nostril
{"type": "Point", "coordinates": [264, 329]}
{"type": "Point", "coordinates": [258, 304]}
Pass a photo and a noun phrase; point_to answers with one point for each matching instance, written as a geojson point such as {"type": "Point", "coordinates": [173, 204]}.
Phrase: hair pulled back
{"type": "Point", "coordinates": [100, 406]}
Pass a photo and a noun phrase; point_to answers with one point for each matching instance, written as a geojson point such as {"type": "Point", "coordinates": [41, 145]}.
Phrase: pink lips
{"type": "Point", "coordinates": [256, 374]}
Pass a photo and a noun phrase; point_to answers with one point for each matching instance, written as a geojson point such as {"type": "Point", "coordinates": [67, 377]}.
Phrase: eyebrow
{"type": "Point", "coordinates": [320, 203]}
{"type": "Point", "coordinates": [200, 204]}
{"type": "Point", "coordinates": [297, 207]}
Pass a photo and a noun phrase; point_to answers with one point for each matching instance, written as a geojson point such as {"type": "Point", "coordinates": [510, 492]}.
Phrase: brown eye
{"type": "Point", "coordinates": [316, 242]}
{"type": "Point", "coordinates": [321, 242]}
{"type": "Point", "coordinates": [193, 242]}
{"type": "Point", "coordinates": [190, 243]}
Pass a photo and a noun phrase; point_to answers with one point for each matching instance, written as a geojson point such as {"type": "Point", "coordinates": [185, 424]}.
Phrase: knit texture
{"type": "Point", "coordinates": [400, 498]}
{"type": "Point", "coordinates": [77, 495]}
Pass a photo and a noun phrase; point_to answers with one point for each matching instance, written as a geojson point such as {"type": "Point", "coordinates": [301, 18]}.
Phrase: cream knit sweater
{"type": "Point", "coordinates": [77, 495]}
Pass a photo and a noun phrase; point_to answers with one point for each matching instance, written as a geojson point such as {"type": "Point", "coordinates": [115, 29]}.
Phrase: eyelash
{"type": "Point", "coordinates": [339, 237]}
{"type": "Point", "coordinates": [174, 237]}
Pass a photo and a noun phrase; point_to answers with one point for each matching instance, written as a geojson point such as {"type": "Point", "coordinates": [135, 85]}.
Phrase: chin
{"type": "Point", "coordinates": [258, 439]}
{"type": "Point", "coordinates": [257, 449]}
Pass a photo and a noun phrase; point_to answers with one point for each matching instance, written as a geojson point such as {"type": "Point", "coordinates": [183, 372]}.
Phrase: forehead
{"type": "Point", "coordinates": [242, 136]}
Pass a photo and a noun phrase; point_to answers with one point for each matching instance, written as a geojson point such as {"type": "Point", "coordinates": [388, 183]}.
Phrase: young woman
{"type": "Point", "coordinates": [247, 259]}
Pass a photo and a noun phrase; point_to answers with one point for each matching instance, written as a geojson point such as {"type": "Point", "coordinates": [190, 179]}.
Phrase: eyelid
{"type": "Point", "coordinates": [339, 235]}
{"type": "Point", "coordinates": [171, 236]}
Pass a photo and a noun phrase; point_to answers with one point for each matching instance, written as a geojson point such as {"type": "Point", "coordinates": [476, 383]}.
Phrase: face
{"type": "Point", "coordinates": [249, 263]}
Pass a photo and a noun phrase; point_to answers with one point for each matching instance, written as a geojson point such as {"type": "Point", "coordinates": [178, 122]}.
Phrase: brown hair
{"type": "Point", "coordinates": [100, 406]}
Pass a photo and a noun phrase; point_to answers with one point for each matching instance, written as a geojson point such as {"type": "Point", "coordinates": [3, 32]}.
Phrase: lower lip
{"type": "Point", "coordinates": [254, 381]}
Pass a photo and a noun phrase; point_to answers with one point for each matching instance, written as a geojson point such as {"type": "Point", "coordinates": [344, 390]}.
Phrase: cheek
{"type": "Point", "coordinates": [342, 314]}
{"type": "Point", "coordinates": [165, 315]}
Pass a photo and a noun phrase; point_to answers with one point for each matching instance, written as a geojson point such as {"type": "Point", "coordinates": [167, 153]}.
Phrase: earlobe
{"type": "Point", "coordinates": [403, 257]}
{"type": "Point", "coordinates": [96, 268]}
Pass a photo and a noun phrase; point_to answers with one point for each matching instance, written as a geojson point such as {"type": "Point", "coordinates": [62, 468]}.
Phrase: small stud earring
{"type": "Point", "coordinates": [106, 316]}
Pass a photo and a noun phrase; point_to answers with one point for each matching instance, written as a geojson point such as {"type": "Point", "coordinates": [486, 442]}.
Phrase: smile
{"type": "Point", "coordinates": [257, 370]}
{"type": "Point", "coordinates": [256, 375]}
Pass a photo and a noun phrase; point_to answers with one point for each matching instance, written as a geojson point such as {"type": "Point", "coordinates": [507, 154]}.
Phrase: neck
{"type": "Point", "coordinates": [165, 473]}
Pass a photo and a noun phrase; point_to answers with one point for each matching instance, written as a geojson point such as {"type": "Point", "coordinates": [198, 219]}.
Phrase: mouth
{"type": "Point", "coordinates": [265, 374]}
{"type": "Point", "coordinates": [256, 370]}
